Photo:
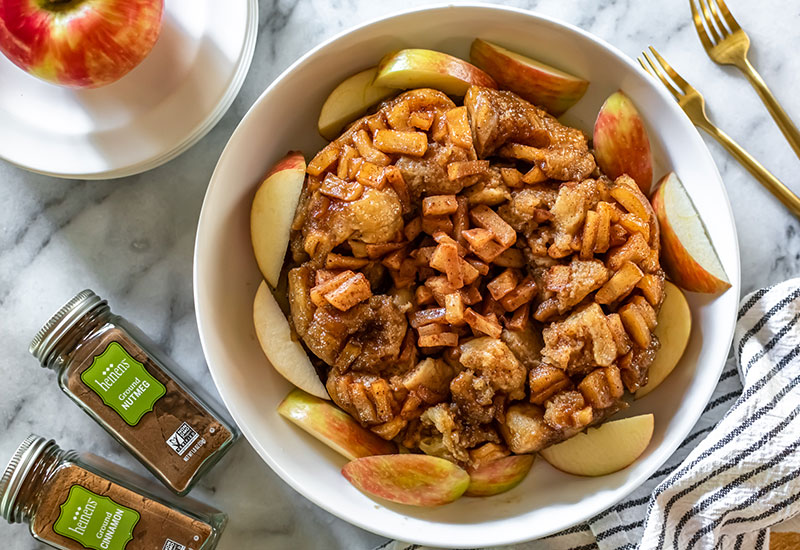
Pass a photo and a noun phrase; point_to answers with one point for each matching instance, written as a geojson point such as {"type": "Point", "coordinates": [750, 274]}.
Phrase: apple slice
{"type": "Point", "coordinates": [674, 327]}
{"type": "Point", "coordinates": [414, 479]}
{"type": "Point", "coordinates": [417, 68]}
{"type": "Point", "coordinates": [334, 427]}
{"type": "Point", "coordinates": [349, 100]}
{"type": "Point", "coordinates": [687, 254]}
{"type": "Point", "coordinates": [541, 84]}
{"type": "Point", "coordinates": [603, 450]}
{"type": "Point", "coordinates": [621, 145]}
{"type": "Point", "coordinates": [499, 475]}
{"type": "Point", "coordinates": [272, 212]}
{"type": "Point", "coordinates": [284, 352]}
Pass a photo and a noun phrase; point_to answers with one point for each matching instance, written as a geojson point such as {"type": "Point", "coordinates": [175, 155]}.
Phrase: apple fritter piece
{"type": "Point", "coordinates": [636, 325]}
{"type": "Point", "coordinates": [439, 205]}
{"type": "Point", "coordinates": [395, 178]}
{"type": "Point", "coordinates": [634, 224]}
{"type": "Point", "coordinates": [454, 309]}
{"type": "Point", "coordinates": [343, 168]}
{"type": "Point", "coordinates": [511, 177]}
{"type": "Point", "coordinates": [445, 258]}
{"type": "Point", "coordinates": [434, 335]}
{"type": "Point", "coordinates": [488, 219]}
{"type": "Point", "coordinates": [421, 119]}
{"type": "Point", "coordinates": [394, 260]}
{"type": "Point", "coordinates": [427, 316]}
{"type": "Point", "coordinates": [545, 381]}
{"type": "Point", "coordinates": [458, 127]}
{"type": "Point", "coordinates": [371, 175]}
{"type": "Point", "coordinates": [620, 284]}
{"type": "Point", "coordinates": [353, 290]}
{"type": "Point", "coordinates": [375, 251]}
{"type": "Point", "coordinates": [518, 151]}
{"type": "Point", "coordinates": [318, 291]}
{"type": "Point", "coordinates": [367, 150]}
{"type": "Point", "coordinates": [401, 143]}
{"type": "Point", "coordinates": [412, 229]}
{"type": "Point", "coordinates": [481, 267]}
{"type": "Point", "coordinates": [652, 286]}
{"type": "Point", "coordinates": [546, 309]}
{"type": "Point", "coordinates": [602, 387]}
{"type": "Point", "coordinates": [435, 224]}
{"type": "Point", "coordinates": [618, 333]}
{"type": "Point", "coordinates": [335, 187]}
{"type": "Point", "coordinates": [406, 275]}
{"type": "Point", "coordinates": [423, 296]}
{"type": "Point", "coordinates": [324, 159]}
{"type": "Point", "coordinates": [522, 294]}
{"type": "Point", "coordinates": [511, 257]}
{"type": "Point", "coordinates": [488, 324]}
{"type": "Point", "coordinates": [461, 220]}
{"type": "Point", "coordinates": [339, 261]}
{"type": "Point", "coordinates": [503, 284]}
{"type": "Point", "coordinates": [477, 237]}
{"type": "Point", "coordinates": [589, 237]}
{"type": "Point", "coordinates": [634, 250]}
{"type": "Point", "coordinates": [519, 319]}
{"type": "Point", "coordinates": [534, 175]}
{"type": "Point", "coordinates": [631, 198]}
{"type": "Point", "coordinates": [463, 168]}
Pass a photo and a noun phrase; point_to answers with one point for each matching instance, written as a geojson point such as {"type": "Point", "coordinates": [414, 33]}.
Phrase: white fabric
{"type": "Point", "coordinates": [738, 472]}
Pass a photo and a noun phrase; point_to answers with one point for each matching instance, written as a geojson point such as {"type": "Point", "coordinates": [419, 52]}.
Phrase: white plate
{"type": "Point", "coordinates": [226, 276]}
{"type": "Point", "coordinates": [148, 117]}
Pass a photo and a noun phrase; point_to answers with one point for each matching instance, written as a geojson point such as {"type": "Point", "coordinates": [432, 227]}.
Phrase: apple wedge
{"type": "Point", "coordinates": [672, 331]}
{"type": "Point", "coordinates": [687, 254]}
{"type": "Point", "coordinates": [272, 212]}
{"type": "Point", "coordinates": [349, 100]}
{"type": "Point", "coordinates": [621, 145]}
{"type": "Point", "coordinates": [603, 450]}
{"type": "Point", "coordinates": [417, 68]}
{"type": "Point", "coordinates": [417, 480]}
{"type": "Point", "coordinates": [541, 84]}
{"type": "Point", "coordinates": [334, 427]}
{"type": "Point", "coordinates": [498, 476]}
{"type": "Point", "coordinates": [284, 352]}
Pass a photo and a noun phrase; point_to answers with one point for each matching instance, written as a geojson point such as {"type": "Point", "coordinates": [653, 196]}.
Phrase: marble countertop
{"type": "Point", "coordinates": [58, 237]}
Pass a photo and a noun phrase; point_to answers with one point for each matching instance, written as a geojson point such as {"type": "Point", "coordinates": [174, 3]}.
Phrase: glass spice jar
{"type": "Point", "coordinates": [118, 376]}
{"type": "Point", "coordinates": [75, 501]}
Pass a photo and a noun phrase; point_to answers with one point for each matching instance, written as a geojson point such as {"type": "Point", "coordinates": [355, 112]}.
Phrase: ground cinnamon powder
{"type": "Point", "coordinates": [158, 527]}
{"type": "Point", "coordinates": [176, 412]}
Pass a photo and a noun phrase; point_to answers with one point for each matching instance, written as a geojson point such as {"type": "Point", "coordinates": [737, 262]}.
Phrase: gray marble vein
{"type": "Point", "coordinates": [131, 240]}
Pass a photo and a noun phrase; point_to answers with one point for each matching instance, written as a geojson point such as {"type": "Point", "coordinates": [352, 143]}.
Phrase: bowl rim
{"type": "Point", "coordinates": [664, 451]}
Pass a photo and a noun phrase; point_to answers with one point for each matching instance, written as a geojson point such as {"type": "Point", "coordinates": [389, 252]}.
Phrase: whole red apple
{"type": "Point", "coordinates": [79, 43]}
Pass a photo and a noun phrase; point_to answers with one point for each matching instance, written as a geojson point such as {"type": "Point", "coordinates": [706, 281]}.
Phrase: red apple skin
{"type": "Point", "coordinates": [413, 479]}
{"type": "Point", "coordinates": [556, 93]}
{"type": "Point", "coordinates": [79, 43]}
{"type": "Point", "coordinates": [621, 145]}
{"type": "Point", "coordinates": [333, 426]}
{"type": "Point", "coordinates": [498, 476]}
{"type": "Point", "coordinates": [294, 160]}
{"type": "Point", "coordinates": [682, 269]}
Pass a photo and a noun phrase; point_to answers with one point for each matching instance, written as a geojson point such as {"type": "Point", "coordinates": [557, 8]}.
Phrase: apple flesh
{"type": "Point", "coordinates": [532, 80]}
{"type": "Point", "coordinates": [414, 479]}
{"type": "Point", "coordinates": [687, 254]}
{"type": "Point", "coordinates": [417, 68]}
{"type": "Point", "coordinates": [349, 100]}
{"type": "Point", "coordinates": [603, 450]}
{"type": "Point", "coordinates": [79, 43]}
{"type": "Point", "coordinates": [334, 427]}
{"type": "Point", "coordinates": [284, 352]}
{"type": "Point", "coordinates": [498, 476]}
{"type": "Point", "coordinates": [673, 330]}
{"type": "Point", "coordinates": [272, 213]}
{"type": "Point", "coordinates": [621, 145]}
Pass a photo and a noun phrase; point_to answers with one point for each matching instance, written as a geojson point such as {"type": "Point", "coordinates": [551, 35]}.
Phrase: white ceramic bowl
{"type": "Point", "coordinates": [226, 277]}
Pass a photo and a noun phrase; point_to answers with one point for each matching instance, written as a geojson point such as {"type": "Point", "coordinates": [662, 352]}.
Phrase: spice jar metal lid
{"type": "Point", "coordinates": [60, 323]}
{"type": "Point", "coordinates": [17, 470]}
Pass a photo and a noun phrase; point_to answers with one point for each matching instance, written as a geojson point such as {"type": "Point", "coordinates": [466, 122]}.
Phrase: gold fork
{"type": "Point", "coordinates": [727, 44]}
{"type": "Point", "coordinates": [693, 105]}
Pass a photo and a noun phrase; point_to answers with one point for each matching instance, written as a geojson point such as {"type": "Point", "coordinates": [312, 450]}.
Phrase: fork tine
{"type": "Point", "coordinates": [698, 25]}
{"type": "Point", "coordinates": [682, 84]}
{"type": "Point", "coordinates": [654, 70]}
{"type": "Point", "coordinates": [709, 22]}
{"type": "Point", "coordinates": [726, 13]}
{"type": "Point", "coordinates": [717, 18]}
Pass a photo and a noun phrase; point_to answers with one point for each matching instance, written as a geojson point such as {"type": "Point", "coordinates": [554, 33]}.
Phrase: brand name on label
{"type": "Point", "coordinates": [83, 517]}
{"type": "Point", "coordinates": [97, 522]}
{"type": "Point", "coordinates": [115, 373]}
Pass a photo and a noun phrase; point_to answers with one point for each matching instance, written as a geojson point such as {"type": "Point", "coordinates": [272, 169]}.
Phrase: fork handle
{"type": "Point", "coordinates": [778, 114]}
{"type": "Point", "coordinates": [773, 184]}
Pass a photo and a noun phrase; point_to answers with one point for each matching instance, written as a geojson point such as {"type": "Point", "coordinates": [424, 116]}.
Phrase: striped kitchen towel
{"type": "Point", "coordinates": [738, 472]}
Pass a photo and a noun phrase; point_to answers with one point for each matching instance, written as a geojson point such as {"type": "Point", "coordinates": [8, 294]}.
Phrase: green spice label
{"type": "Point", "coordinates": [96, 522]}
{"type": "Point", "coordinates": [123, 383]}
